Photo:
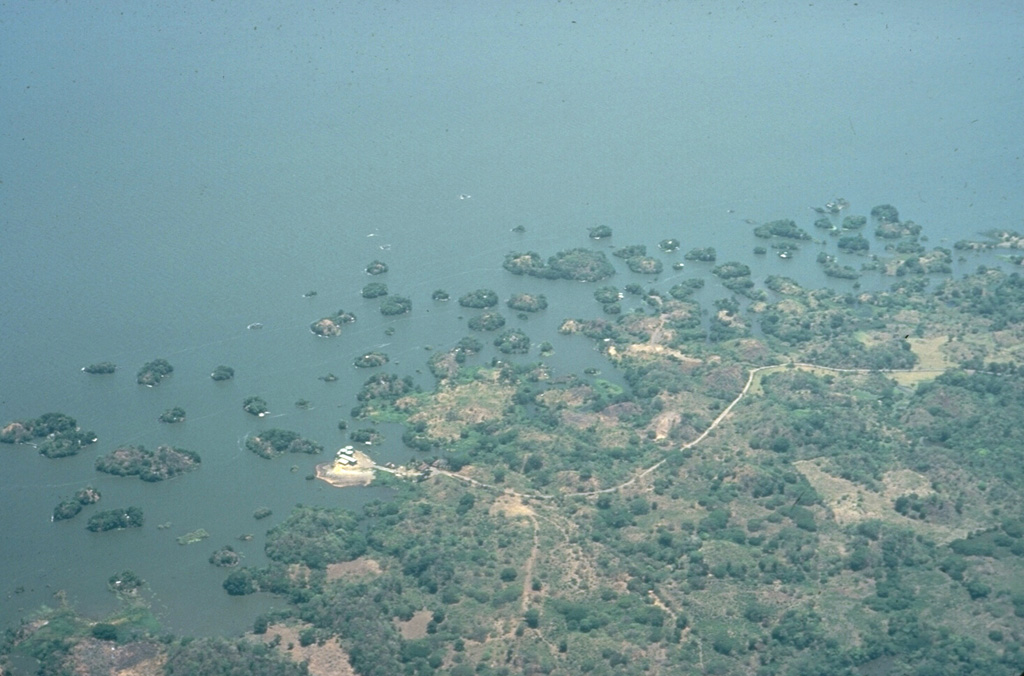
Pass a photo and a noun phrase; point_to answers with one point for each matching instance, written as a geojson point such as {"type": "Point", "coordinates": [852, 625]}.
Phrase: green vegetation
{"type": "Point", "coordinates": [526, 302]}
{"type": "Point", "coordinates": [262, 513]}
{"type": "Point", "coordinates": [125, 582]}
{"type": "Point", "coordinates": [686, 288]}
{"type": "Point", "coordinates": [599, 232]}
{"type": "Point", "coordinates": [102, 367]}
{"type": "Point", "coordinates": [488, 321]}
{"type": "Point", "coordinates": [163, 463]}
{"type": "Point", "coordinates": [152, 372]}
{"type": "Point", "coordinates": [855, 512]}
{"type": "Point", "coordinates": [669, 245]}
{"type": "Point", "coordinates": [440, 294]}
{"type": "Point", "coordinates": [631, 251]}
{"type": "Point", "coordinates": [582, 265]}
{"type": "Point", "coordinates": [607, 294]}
{"type": "Point", "coordinates": [173, 415]}
{"type": "Point", "coordinates": [886, 213]}
{"type": "Point", "coordinates": [193, 537]}
{"type": "Point", "coordinates": [255, 406]}
{"type": "Point", "coordinates": [315, 537]}
{"type": "Point", "coordinates": [706, 254]}
{"type": "Point", "coordinates": [376, 267]}
{"type": "Point", "coordinates": [481, 298]}
{"type": "Point", "coordinates": [854, 222]}
{"type": "Point", "coordinates": [115, 519]}
{"type": "Point", "coordinates": [371, 359]}
{"type": "Point", "coordinates": [375, 290]}
{"type": "Point", "coordinates": [66, 509]}
{"type": "Point", "coordinates": [512, 341]}
{"type": "Point", "coordinates": [273, 442]}
{"type": "Point", "coordinates": [60, 434]}
{"type": "Point", "coordinates": [781, 228]}
{"type": "Point", "coordinates": [853, 243]}
{"type": "Point", "coordinates": [69, 508]}
{"type": "Point", "coordinates": [222, 373]}
{"type": "Point", "coordinates": [225, 557]}
{"type": "Point", "coordinates": [330, 326]}
{"type": "Point", "coordinates": [395, 305]}
{"type": "Point", "coordinates": [366, 435]}
{"type": "Point", "coordinates": [644, 265]}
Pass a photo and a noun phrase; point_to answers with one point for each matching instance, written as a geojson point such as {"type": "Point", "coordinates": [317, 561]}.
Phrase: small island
{"type": "Point", "coordinates": [193, 537]}
{"type": "Point", "coordinates": [704, 254]}
{"type": "Point", "coordinates": [370, 360]}
{"type": "Point", "coordinates": [102, 367]}
{"type": "Point", "coordinates": [607, 294]}
{"type": "Point", "coordinates": [583, 265]}
{"type": "Point", "coordinates": [853, 243]}
{"type": "Point", "coordinates": [512, 341]}
{"type": "Point", "coordinates": [68, 509]}
{"type": "Point", "coordinates": [349, 468]}
{"type": "Point", "coordinates": [330, 326]}
{"type": "Point", "coordinates": [395, 305]}
{"type": "Point", "coordinates": [274, 442]}
{"type": "Point", "coordinates": [255, 406]}
{"type": "Point", "coordinates": [645, 265]}
{"type": "Point", "coordinates": [375, 290]}
{"type": "Point", "coordinates": [152, 372]}
{"type": "Point", "coordinates": [376, 268]}
{"type": "Point", "coordinates": [173, 415]}
{"type": "Point", "coordinates": [854, 222]}
{"type": "Point", "coordinates": [781, 228]}
{"type": "Point", "coordinates": [126, 582]}
{"type": "Point", "coordinates": [488, 321]}
{"type": "Point", "coordinates": [60, 433]}
{"type": "Point", "coordinates": [163, 463]}
{"type": "Point", "coordinates": [630, 251]}
{"type": "Point", "coordinates": [479, 299]}
{"type": "Point", "coordinates": [526, 302]}
{"type": "Point", "coordinates": [262, 513]}
{"type": "Point", "coordinates": [115, 519]}
{"type": "Point", "coordinates": [440, 294]}
{"type": "Point", "coordinates": [222, 373]}
{"type": "Point", "coordinates": [309, 294]}
{"type": "Point", "coordinates": [225, 557]}
{"type": "Point", "coordinates": [686, 288]}
{"type": "Point", "coordinates": [329, 378]}
{"type": "Point", "coordinates": [599, 232]}
{"type": "Point", "coordinates": [669, 245]}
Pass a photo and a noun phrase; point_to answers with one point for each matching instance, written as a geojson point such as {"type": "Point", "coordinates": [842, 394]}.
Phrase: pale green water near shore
{"type": "Point", "coordinates": [171, 175]}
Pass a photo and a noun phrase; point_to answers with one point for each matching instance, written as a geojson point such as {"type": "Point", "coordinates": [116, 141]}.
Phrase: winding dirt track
{"type": "Point", "coordinates": [690, 444]}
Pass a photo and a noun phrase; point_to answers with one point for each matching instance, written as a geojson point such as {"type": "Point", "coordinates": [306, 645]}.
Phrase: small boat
{"type": "Point", "coordinates": [254, 326]}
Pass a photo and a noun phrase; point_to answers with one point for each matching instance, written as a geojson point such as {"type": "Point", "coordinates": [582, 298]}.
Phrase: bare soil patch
{"type": "Point", "coordinates": [447, 412]}
{"type": "Point", "coordinates": [355, 568]}
{"type": "Point", "coordinates": [416, 627]}
{"type": "Point", "coordinates": [142, 658]}
{"type": "Point", "coordinates": [330, 659]}
{"type": "Point", "coordinates": [852, 503]}
{"type": "Point", "coordinates": [510, 507]}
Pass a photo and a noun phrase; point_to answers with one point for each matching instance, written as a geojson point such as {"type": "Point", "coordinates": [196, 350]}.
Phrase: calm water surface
{"type": "Point", "coordinates": [171, 175]}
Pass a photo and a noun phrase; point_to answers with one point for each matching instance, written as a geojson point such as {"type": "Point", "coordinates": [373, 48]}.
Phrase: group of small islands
{"type": "Point", "coordinates": [841, 465]}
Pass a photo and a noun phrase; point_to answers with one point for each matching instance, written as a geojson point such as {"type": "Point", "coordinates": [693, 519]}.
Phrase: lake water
{"type": "Point", "coordinates": [169, 175]}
